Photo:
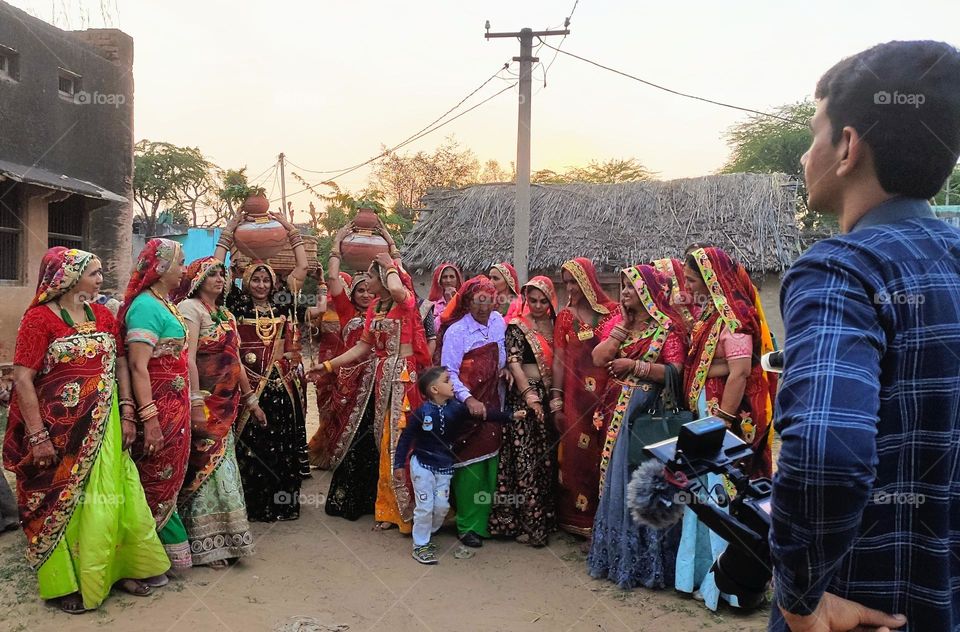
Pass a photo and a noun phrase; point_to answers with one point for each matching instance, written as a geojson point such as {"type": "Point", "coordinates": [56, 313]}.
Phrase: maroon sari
{"type": "Point", "coordinates": [75, 385]}
{"type": "Point", "coordinates": [581, 440]}
{"type": "Point", "coordinates": [218, 366]}
{"type": "Point", "coordinates": [479, 372]}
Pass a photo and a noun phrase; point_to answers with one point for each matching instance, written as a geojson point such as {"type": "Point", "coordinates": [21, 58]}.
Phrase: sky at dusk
{"type": "Point", "coordinates": [329, 82]}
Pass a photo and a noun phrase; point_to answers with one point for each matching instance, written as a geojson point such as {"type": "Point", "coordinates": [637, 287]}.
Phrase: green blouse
{"type": "Point", "coordinates": [151, 322]}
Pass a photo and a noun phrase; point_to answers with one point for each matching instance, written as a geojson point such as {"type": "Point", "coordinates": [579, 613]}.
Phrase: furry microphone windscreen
{"type": "Point", "coordinates": [652, 500]}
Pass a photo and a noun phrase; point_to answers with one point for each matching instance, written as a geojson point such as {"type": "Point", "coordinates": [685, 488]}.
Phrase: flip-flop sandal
{"type": "Point", "coordinates": [156, 582]}
{"type": "Point", "coordinates": [72, 605]}
{"type": "Point", "coordinates": [384, 526]}
{"type": "Point", "coordinates": [134, 587]}
{"type": "Point", "coordinates": [219, 565]}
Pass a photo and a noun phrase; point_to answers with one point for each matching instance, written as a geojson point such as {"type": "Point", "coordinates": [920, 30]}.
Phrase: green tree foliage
{"type": "Point", "coordinates": [950, 193]}
{"type": "Point", "coordinates": [167, 177]}
{"type": "Point", "coordinates": [761, 144]}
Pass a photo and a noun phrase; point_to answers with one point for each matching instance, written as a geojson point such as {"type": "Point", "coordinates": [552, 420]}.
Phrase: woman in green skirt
{"type": "Point", "coordinates": [81, 504]}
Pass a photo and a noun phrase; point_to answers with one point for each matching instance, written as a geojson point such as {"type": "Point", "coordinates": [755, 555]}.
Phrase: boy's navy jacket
{"type": "Point", "coordinates": [431, 431]}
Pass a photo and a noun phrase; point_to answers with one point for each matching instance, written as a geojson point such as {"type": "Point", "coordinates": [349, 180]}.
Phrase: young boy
{"type": "Point", "coordinates": [431, 431]}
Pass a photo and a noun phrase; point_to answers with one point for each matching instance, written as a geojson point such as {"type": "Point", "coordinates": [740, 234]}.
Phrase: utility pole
{"type": "Point", "coordinates": [521, 218]}
{"type": "Point", "coordinates": [283, 189]}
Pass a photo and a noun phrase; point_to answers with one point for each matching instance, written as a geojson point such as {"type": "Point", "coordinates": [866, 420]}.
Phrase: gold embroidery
{"type": "Point", "coordinates": [584, 441]}
{"type": "Point", "coordinates": [580, 276]}
{"type": "Point", "coordinates": [582, 503]}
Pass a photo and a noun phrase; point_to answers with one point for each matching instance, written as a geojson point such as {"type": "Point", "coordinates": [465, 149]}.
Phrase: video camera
{"type": "Point", "coordinates": [705, 446]}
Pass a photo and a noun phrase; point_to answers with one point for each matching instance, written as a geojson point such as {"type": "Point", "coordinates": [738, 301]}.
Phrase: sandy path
{"type": "Point", "coordinates": [337, 575]}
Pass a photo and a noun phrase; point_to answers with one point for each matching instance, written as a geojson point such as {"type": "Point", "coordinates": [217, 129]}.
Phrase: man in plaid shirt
{"type": "Point", "coordinates": [866, 499]}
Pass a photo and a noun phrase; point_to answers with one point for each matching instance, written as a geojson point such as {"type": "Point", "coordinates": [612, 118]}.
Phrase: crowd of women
{"type": "Point", "coordinates": [144, 441]}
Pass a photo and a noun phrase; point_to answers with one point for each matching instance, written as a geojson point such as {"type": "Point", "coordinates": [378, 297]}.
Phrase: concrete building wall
{"type": "Point", "coordinates": [88, 137]}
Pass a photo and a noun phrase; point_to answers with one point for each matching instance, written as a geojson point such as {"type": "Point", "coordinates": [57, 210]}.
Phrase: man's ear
{"type": "Point", "coordinates": [852, 152]}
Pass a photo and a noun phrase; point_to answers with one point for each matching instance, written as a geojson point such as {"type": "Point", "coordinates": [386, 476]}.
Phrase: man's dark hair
{"type": "Point", "coordinates": [903, 98]}
{"type": "Point", "coordinates": [428, 377]}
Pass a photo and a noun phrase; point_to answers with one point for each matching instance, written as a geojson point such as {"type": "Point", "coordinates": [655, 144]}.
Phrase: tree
{"type": "Point", "coordinates": [950, 193]}
{"type": "Point", "coordinates": [162, 173]}
{"type": "Point", "coordinates": [761, 144]}
{"type": "Point", "coordinates": [493, 172]}
{"type": "Point", "coordinates": [404, 178]}
{"type": "Point", "coordinates": [612, 171]}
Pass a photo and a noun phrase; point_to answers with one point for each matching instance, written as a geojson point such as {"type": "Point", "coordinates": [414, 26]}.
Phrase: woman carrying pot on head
{"type": "Point", "coordinates": [393, 335]}
{"type": "Point", "coordinates": [272, 457]}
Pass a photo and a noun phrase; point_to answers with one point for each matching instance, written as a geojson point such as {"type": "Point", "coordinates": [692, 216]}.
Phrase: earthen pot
{"type": "Point", "coordinates": [360, 247]}
{"type": "Point", "coordinates": [260, 237]}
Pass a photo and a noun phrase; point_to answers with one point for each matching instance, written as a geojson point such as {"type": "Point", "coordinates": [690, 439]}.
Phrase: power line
{"type": "Point", "coordinates": [408, 141]}
{"type": "Point", "coordinates": [505, 66]}
{"type": "Point", "coordinates": [566, 25]}
{"type": "Point", "coordinates": [676, 92]}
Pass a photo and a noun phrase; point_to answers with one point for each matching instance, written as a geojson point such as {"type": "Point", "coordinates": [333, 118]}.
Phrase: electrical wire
{"type": "Point", "coordinates": [423, 133]}
{"type": "Point", "coordinates": [495, 75]}
{"type": "Point", "coordinates": [676, 92]}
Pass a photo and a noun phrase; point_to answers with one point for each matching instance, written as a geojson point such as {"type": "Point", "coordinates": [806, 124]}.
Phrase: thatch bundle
{"type": "Point", "coordinates": [749, 215]}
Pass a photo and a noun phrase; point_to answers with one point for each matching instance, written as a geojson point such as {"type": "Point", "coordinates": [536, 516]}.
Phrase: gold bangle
{"type": "Point", "coordinates": [328, 366]}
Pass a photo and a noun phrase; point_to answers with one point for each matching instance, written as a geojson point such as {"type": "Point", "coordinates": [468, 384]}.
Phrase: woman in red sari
{"type": "Point", "coordinates": [723, 377]}
{"type": "Point", "coordinates": [393, 331]}
{"type": "Point", "coordinates": [638, 346]}
{"type": "Point", "coordinates": [577, 392]}
{"type": "Point", "coordinates": [447, 279]}
{"type": "Point", "coordinates": [211, 500]}
{"type": "Point", "coordinates": [156, 339]}
{"type": "Point", "coordinates": [527, 472]}
{"type": "Point", "coordinates": [505, 280]}
{"type": "Point", "coordinates": [80, 501]}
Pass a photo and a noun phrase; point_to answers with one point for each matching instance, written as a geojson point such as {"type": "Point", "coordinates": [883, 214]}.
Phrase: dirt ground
{"type": "Point", "coordinates": [323, 574]}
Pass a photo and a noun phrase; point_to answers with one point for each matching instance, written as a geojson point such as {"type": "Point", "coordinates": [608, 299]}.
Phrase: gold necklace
{"type": "Point", "coordinates": [266, 331]}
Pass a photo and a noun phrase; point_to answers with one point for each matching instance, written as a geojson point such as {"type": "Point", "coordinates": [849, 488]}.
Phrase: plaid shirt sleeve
{"type": "Point", "coordinates": [827, 412]}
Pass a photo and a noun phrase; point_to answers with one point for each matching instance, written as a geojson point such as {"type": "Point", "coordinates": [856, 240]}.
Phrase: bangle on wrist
{"type": "Point", "coordinates": [328, 366]}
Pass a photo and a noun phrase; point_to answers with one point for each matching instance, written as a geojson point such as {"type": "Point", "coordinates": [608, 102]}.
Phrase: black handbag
{"type": "Point", "coordinates": [660, 422]}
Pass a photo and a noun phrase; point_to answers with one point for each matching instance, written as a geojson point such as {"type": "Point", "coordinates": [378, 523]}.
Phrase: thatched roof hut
{"type": "Point", "coordinates": [749, 215]}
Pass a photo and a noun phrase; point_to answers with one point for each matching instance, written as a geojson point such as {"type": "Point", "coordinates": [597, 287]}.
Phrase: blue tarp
{"type": "Point", "coordinates": [198, 242]}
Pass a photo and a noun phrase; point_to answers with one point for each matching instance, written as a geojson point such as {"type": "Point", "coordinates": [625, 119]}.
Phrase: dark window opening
{"type": "Point", "coordinates": [69, 83]}
{"type": "Point", "coordinates": [11, 232]}
{"type": "Point", "coordinates": [9, 63]}
{"type": "Point", "coordinates": [65, 223]}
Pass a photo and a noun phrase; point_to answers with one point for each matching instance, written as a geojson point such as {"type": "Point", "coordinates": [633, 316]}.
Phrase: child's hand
{"type": "Point", "coordinates": [398, 474]}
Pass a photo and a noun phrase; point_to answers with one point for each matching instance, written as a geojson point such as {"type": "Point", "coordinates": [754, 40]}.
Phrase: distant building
{"type": "Point", "coordinates": [949, 214]}
{"type": "Point", "coordinates": [66, 153]}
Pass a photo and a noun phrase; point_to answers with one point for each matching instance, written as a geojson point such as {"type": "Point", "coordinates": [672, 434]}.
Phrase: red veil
{"type": "Point", "coordinates": [460, 304]}
{"type": "Point", "coordinates": [735, 303]}
{"type": "Point", "coordinates": [586, 277]}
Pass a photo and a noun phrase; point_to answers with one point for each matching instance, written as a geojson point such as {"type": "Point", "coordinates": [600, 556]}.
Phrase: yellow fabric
{"type": "Point", "coordinates": [111, 535]}
{"type": "Point", "coordinates": [386, 507]}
